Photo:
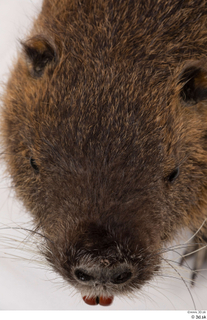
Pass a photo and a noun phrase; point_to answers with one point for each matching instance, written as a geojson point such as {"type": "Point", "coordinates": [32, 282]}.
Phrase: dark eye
{"type": "Point", "coordinates": [174, 174]}
{"type": "Point", "coordinates": [82, 276]}
{"type": "Point", "coordinates": [33, 165]}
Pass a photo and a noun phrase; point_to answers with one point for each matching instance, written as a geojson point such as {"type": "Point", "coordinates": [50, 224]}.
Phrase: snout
{"type": "Point", "coordinates": [102, 277]}
{"type": "Point", "coordinates": [102, 262]}
{"type": "Point", "coordinates": [113, 276]}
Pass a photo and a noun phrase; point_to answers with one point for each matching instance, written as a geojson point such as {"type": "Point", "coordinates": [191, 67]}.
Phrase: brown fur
{"type": "Point", "coordinates": [105, 104]}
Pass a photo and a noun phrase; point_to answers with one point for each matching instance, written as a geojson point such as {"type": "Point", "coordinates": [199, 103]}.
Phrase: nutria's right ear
{"type": "Point", "coordinates": [39, 53]}
{"type": "Point", "coordinates": [194, 84]}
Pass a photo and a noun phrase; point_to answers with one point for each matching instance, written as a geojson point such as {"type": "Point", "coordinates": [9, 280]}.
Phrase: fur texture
{"type": "Point", "coordinates": [104, 126]}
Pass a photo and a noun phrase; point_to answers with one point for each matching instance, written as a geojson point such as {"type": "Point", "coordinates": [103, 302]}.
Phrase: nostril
{"type": "Point", "coordinates": [122, 277]}
{"type": "Point", "coordinates": [82, 275]}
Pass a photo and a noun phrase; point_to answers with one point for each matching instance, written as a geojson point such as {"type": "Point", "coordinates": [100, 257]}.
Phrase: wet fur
{"type": "Point", "coordinates": [106, 101]}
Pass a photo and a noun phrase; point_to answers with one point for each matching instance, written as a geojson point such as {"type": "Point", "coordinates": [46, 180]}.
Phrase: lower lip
{"type": "Point", "coordinates": [103, 301]}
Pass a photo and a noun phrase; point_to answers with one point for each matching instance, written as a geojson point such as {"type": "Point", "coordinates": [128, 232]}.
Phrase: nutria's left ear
{"type": "Point", "coordinates": [194, 84]}
{"type": "Point", "coordinates": [39, 52]}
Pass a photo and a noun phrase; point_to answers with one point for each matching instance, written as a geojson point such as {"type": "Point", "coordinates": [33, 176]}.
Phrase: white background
{"type": "Point", "coordinates": [28, 285]}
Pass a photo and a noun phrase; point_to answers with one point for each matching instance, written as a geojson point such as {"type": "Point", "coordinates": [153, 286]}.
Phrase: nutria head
{"type": "Point", "coordinates": [106, 150]}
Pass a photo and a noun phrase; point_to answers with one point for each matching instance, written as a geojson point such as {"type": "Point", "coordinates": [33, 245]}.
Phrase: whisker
{"type": "Point", "coordinates": [173, 277]}
{"type": "Point", "coordinates": [185, 269]}
{"type": "Point", "coordinates": [29, 230]}
{"type": "Point", "coordinates": [197, 231]}
{"type": "Point", "coordinates": [190, 253]}
{"type": "Point", "coordinates": [183, 282]}
{"type": "Point", "coordinates": [146, 296]}
{"type": "Point", "coordinates": [180, 246]}
{"type": "Point", "coordinates": [155, 288]}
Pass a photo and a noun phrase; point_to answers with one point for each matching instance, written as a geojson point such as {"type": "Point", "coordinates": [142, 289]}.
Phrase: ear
{"type": "Point", "coordinates": [39, 53]}
{"type": "Point", "coordinates": [194, 84]}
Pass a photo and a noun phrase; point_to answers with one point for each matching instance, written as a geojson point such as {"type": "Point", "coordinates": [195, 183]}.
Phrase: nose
{"type": "Point", "coordinates": [121, 277]}
{"type": "Point", "coordinates": [103, 276]}
{"type": "Point", "coordinates": [83, 276]}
